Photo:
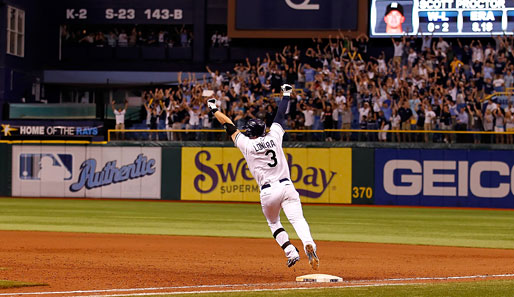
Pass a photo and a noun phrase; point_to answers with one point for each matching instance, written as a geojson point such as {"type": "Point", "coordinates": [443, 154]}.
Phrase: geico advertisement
{"type": "Point", "coordinates": [221, 174]}
{"type": "Point", "coordinates": [444, 177]}
{"type": "Point", "coordinates": [79, 171]}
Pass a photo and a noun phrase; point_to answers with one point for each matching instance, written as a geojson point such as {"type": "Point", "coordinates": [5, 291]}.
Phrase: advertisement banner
{"type": "Point", "coordinates": [28, 131]}
{"type": "Point", "coordinates": [221, 174]}
{"type": "Point", "coordinates": [92, 172]}
{"type": "Point", "coordinates": [464, 178]}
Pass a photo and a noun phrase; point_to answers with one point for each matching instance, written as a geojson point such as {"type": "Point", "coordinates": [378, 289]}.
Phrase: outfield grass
{"type": "Point", "coordinates": [429, 226]}
{"type": "Point", "coordinates": [5, 284]}
{"type": "Point", "coordinates": [479, 289]}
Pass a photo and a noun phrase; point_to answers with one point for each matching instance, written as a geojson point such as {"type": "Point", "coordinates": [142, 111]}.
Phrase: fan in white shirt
{"type": "Point", "coordinates": [429, 120]}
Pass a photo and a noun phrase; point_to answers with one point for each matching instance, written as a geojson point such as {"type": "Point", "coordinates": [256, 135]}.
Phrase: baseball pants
{"type": "Point", "coordinates": [284, 196]}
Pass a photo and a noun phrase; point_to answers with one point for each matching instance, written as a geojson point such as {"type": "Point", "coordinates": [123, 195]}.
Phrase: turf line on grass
{"type": "Point", "coordinates": [345, 284]}
{"type": "Point", "coordinates": [244, 291]}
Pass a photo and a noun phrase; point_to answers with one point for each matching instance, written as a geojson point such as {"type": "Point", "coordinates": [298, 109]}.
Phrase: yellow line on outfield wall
{"type": "Point", "coordinates": [407, 131]}
{"type": "Point", "coordinates": [310, 131]}
{"type": "Point", "coordinates": [318, 131]}
{"type": "Point", "coordinates": [52, 142]}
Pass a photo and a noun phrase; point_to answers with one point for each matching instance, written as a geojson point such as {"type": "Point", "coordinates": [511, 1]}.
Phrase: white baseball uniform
{"type": "Point", "coordinates": [268, 165]}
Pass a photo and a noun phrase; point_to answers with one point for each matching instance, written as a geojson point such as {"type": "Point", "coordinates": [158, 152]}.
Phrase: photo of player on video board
{"type": "Point", "coordinates": [391, 17]}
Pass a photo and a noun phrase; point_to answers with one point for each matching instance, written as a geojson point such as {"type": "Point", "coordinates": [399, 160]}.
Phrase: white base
{"type": "Point", "coordinates": [319, 278]}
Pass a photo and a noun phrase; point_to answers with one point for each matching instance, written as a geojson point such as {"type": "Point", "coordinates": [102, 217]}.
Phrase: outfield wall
{"type": "Point", "coordinates": [471, 178]}
{"type": "Point", "coordinates": [320, 175]}
{"type": "Point", "coordinates": [382, 176]}
{"type": "Point", "coordinates": [5, 170]}
{"type": "Point", "coordinates": [86, 171]}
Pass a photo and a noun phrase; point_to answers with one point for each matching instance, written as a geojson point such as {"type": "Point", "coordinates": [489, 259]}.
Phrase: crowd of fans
{"type": "Point", "coordinates": [219, 39]}
{"type": "Point", "coordinates": [428, 84]}
{"type": "Point", "coordinates": [127, 36]}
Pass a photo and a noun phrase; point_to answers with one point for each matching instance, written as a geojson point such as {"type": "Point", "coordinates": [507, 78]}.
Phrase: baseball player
{"type": "Point", "coordinates": [394, 18]}
{"type": "Point", "coordinates": [267, 163]}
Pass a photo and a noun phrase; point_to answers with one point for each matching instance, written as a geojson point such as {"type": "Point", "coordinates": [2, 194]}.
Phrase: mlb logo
{"type": "Point", "coordinates": [46, 167]}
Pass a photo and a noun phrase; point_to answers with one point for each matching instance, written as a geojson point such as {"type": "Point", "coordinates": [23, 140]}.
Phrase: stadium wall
{"type": "Point", "coordinates": [82, 171]}
{"type": "Point", "coordinates": [468, 178]}
{"type": "Point", "coordinates": [218, 172]}
{"type": "Point", "coordinates": [320, 175]}
{"type": "Point", "coordinates": [5, 172]}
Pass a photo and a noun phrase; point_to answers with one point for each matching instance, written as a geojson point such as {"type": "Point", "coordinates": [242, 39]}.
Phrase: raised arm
{"type": "Point", "coordinates": [147, 106]}
{"type": "Point", "coordinates": [185, 105]}
{"type": "Point", "coordinates": [284, 50]}
{"type": "Point", "coordinates": [284, 103]}
{"type": "Point", "coordinates": [209, 70]}
{"type": "Point", "coordinates": [227, 123]}
{"type": "Point", "coordinates": [325, 48]}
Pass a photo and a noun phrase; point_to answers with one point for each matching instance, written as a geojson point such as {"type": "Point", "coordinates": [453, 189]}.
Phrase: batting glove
{"type": "Point", "coordinates": [211, 103]}
{"type": "Point", "coordinates": [286, 90]}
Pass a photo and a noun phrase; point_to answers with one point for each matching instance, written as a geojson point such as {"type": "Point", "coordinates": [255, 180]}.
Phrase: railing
{"type": "Point", "coordinates": [51, 141]}
{"type": "Point", "coordinates": [429, 136]}
{"type": "Point", "coordinates": [503, 98]}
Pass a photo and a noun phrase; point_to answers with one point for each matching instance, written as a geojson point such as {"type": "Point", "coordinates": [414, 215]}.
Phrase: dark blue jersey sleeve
{"type": "Point", "coordinates": [281, 111]}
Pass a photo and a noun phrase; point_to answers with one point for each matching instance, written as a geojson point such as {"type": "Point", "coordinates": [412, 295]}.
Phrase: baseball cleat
{"type": "Point", "coordinates": [313, 258]}
{"type": "Point", "coordinates": [292, 261]}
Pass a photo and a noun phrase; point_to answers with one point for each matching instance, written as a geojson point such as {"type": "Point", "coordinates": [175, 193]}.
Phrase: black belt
{"type": "Point", "coordinates": [265, 186]}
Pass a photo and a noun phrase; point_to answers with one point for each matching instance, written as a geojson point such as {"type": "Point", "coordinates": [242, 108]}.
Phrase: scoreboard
{"type": "Point", "coordinates": [126, 11]}
{"type": "Point", "coordinates": [459, 18]}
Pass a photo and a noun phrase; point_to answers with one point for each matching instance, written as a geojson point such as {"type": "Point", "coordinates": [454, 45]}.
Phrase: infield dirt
{"type": "Point", "coordinates": [78, 261]}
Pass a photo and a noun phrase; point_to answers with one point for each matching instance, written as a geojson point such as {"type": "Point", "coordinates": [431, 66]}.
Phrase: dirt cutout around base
{"type": "Point", "coordinates": [78, 261]}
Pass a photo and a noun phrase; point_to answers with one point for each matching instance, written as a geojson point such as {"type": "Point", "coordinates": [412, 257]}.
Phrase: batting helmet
{"type": "Point", "coordinates": [255, 128]}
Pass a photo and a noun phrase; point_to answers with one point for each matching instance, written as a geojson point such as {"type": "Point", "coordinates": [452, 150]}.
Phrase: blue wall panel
{"type": "Point", "coordinates": [461, 178]}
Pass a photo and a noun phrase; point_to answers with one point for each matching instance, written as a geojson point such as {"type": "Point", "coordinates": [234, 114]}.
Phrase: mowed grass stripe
{"type": "Point", "coordinates": [6, 284]}
{"type": "Point", "coordinates": [428, 226]}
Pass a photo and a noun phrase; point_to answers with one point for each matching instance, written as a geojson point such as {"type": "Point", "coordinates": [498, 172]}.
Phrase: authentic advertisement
{"type": "Point", "coordinates": [86, 172]}
{"type": "Point", "coordinates": [320, 175]}
{"type": "Point", "coordinates": [464, 178]}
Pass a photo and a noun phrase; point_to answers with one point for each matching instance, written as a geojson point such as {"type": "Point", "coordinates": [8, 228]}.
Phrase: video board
{"type": "Point", "coordinates": [296, 18]}
{"type": "Point", "coordinates": [462, 18]}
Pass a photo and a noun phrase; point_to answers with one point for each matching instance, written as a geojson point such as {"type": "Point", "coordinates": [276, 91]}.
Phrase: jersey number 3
{"type": "Point", "coordinates": [273, 158]}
